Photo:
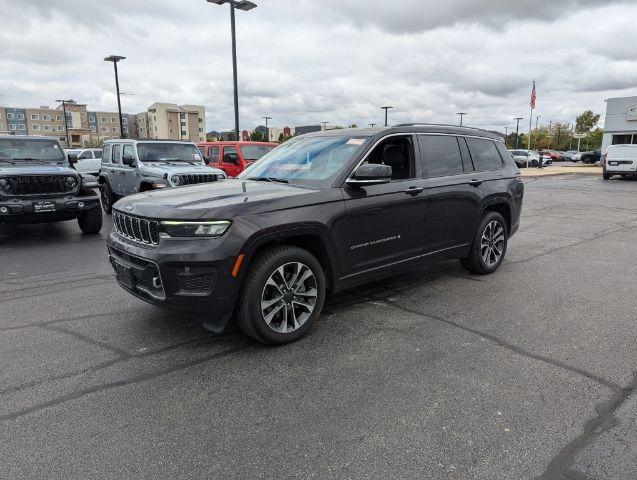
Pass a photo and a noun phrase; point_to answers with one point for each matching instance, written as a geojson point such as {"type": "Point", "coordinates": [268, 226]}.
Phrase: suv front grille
{"type": "Point", "coordinates": [38, 185]}
{"type": "Point", "coordinates": [135, 228]}
{"type": "Point", "coordinates": [197, 178]}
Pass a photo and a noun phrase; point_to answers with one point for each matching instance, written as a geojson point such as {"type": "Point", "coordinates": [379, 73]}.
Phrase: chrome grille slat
{"type": "Point", "coordinates": [136, 228]}
{"type": "Point", "coordinates": [193, 179]}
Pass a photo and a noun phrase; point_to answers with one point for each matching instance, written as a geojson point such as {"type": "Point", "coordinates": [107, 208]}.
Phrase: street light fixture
{"type": "Point", "coordinates": [66, 126]}
{"type": "Point", "coordinates": [115, 59]}
{"type": "Point", "coordinates": [386, 107]}
{"type": "Point", "coordinates": [244, 5]}
{"type": "Point", "coordinates": [372, 125]}
{"type": "Point", "coordinates": [267, 132]}
{"type": "Point", "coordinates": [462, 114]}
{"type": "Point", "coordinates": [517, 131]}
{"type": "Point", "coordinates": [324, 125]}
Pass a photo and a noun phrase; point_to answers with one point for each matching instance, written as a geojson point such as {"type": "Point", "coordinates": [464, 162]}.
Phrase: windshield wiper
{"type": "Point", "coordinates": [268, 179]}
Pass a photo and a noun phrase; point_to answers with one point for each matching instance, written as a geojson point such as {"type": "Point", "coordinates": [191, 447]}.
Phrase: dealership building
{"type": "Point", "coordinates": [620, 126]}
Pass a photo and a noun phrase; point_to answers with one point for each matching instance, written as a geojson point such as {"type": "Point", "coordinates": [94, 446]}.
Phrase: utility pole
{"type": "Point", "coordinates": [506, 136]}
{"type": "Point", "coordinates": [386, 108]}
{"type": "Point", "coordinates": [115, 59]}
{"type": "Point", "coordinates": [66, 125]}
{"type": "Point", "coordinates": [517, 131]}
{"type": "Point", "coordinates": [324, 125]}
{"type": "Point", "coordinates": [462, 114]}
{"type": "Point", "coordinates": [267, 132]}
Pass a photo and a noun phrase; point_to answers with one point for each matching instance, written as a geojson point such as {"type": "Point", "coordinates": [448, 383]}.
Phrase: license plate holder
{"type": "Point", "coordinates": [124, 276]}
{"type": "Point", "coordinates": [43, 206]}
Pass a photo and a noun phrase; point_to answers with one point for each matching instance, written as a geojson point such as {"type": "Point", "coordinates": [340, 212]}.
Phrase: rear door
{"type": "Point", "coordinates": [118, 171]}
{"type": "Point", "coordinates": [213, 156]}
{"type": "Point", "coordinates": [230, 161]}
{"type": "Point", "coordinates": [621, 158]}
{"type": "Point", "coordinates": [454, 191]}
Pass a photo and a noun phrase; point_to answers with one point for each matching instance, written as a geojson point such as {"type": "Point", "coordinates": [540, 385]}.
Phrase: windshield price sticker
{"type": "Point", "coordinates": [356, 141]}
{"type": "Point", "coordinates": [196, 156]}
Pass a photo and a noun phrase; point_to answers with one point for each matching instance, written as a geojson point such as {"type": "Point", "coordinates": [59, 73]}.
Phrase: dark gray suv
{"type": "Point", "coordinates": [132, 166]}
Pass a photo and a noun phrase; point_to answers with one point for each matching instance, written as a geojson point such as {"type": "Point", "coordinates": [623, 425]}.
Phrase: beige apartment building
{"type": "Point", "coordinates": [170, 121]}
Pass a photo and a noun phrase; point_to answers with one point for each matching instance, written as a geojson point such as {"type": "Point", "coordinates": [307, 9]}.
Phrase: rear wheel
{"type": "Point", "coordinates": [108, 198]}
{"type": "Point", "coordinates": [605, 176]}
{"type": "Point", "coordinates": [489, 245]}
{"type": "Point", "coordinates": [534, 163]}
{"type": "Point", "coordinates": [91, 220]}
{"type": "Point", "coordinates": [283, 295]}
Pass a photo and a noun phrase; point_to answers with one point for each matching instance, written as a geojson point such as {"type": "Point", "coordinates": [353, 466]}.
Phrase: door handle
{"type": "Point", "coordinates": [414, 190]}
{"type": "Point", "coordinates": [475, 182]}
{"type": "Point", "coordinates": [122, 172]}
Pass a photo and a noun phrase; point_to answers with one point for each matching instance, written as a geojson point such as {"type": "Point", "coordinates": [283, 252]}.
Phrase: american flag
{"type": "Point", "coordinates": [533, 96]}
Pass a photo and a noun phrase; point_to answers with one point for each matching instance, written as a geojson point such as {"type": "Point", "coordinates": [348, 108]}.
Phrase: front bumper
{"type": "Point", "coordinates": [42, 210]}
{"type": "Point", "coordinates": [190, 276]}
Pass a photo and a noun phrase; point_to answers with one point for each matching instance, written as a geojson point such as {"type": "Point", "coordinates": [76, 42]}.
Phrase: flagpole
{"type": "Point", "coordinates": [530, 127]}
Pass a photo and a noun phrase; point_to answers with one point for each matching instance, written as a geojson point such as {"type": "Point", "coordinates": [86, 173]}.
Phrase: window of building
{"type": "Point", "coordinates": [91, 119]}
{"type": "Point", "coordinates": [35, 127]}
{"type": "Point", "coordinates": [200, 120]}
{"type": "Point", "coordinates": [103, 119]}
{"type": "Point", "coordinates": [200, 130]}
{"type": "Point", "coordinates": [58, 118]}
{"type": "Point", "coordinates": [113, 120]}
{"type": "Point", "coordinates": [0, 116]}
{"type": "Point", "coordinates": [622, 139]}
{"type": "Point", "coordinates": [104, 129]}
{"type": "Point", "coordinates": [46, 117]}
{"type": "Point", "coordinates": [484, 154]}
{"type": "Point", "coordinates": [115, 130]}
{"type": "Point", "coordinates": [22, 127]}
{"type": "Point", "coordinates": [441, 155]}
{"type": "Point", "coordinates": [60, 128]}
{"type": "Point", "coordinates": [10, 116]}
{"type": "Point", "coordinates": [125, 129]}
{"type": "Point", "coordinates": [12, 127]}
{"type": "Point", "coordinates": [47, 128]}
{"type": "Point", "coordinates": [155, 127]}
{"type": "Point", "coordinates": [93, 129]}
{"type": "Point", "coordinates": [35, 116]}
{"type": "Point", "coordinates": [20, 116]}
{"type": "Point", "coordinates": [125, 120]}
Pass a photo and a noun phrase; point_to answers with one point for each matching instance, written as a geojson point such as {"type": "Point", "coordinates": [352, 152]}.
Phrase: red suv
{"type": "Point", "coordinates": [234, 157]}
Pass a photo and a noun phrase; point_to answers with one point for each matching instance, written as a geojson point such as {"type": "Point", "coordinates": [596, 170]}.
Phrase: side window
{"type": "Point", "coordinates": [484, 154]}
{"type": "Point", "coordinates": [398, 153]}
{"type": "Point", "coordinates": [98, 153]}
{"type": "Point", "coordinates": [117, 154]}
{"type": "Point", "coordinates": [441, 155]}
{"type": "Point", "coordinates": [504, 153]}
{"type": "Point", "coordinates": [85, 154]}
{"type": "Point", "coordinates": [106, 158]}
{"type": "Point", "coordinates": [213, 154]}
{"type": "Point", "coordinates": [228, 154]}
{"type": "Point", "coordinates": [129, 150]}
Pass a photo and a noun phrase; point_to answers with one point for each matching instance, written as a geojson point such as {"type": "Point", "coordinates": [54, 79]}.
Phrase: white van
{"type": "Point", "coordinates": [620, 160]}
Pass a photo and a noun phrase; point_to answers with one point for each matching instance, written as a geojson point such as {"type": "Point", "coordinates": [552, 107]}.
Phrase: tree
{"type": "Point", "coordinates": [257, 136]}
{"type": "Point", "coordinates": [95, 142]}
{"type": "Point", "coordinates": [353, 125]}
{"type": "Point", "coordinates": [586, 121]}
{"type": "Point", "coordinates": [284, 138]}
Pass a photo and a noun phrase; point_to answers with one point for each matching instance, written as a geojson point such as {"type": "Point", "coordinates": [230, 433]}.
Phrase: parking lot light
{"type": "Point", "coordinates": [386, 108]}
{"type": "Point", "coordinates": [244, 5]}
{"type": "Point", "coordinates": [115, 59]}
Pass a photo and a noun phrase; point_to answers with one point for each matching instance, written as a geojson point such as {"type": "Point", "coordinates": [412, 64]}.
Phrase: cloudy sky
{"type": "Point", "coordinates": [307, 61]}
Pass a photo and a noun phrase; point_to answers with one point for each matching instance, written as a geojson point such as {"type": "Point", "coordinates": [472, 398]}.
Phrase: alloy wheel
{"type": "Point", "coordinates": [289, 297]}
{"type": "Point", "coordinates": [492, 243]}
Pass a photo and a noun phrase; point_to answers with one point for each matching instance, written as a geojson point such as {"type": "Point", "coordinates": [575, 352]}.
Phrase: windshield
{"type": "Point", "coordinates": [31, 150]}
{"type": "Point", "coordinates": [177, 152]}
{"type": "Point", "coordinates": [311, 161]}
{"type": "Point", "coordinates": [255, 152]}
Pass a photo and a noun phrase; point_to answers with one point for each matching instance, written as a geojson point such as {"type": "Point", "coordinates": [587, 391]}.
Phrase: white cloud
{"type": "Point", "coordinates": [305, 62]}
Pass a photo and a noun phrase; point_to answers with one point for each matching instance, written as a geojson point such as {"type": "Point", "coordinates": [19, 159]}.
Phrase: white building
{"type": "Point", "coordinates": [620, 126]}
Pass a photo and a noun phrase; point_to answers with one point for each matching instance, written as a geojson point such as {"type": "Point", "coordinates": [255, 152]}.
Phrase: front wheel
{"type": "Point", "coordinates": [605, 176]}
{"type": "Point", "coordinates": [489, 245]}
{"type": "Point", "coordinates": [283, 295]}
{"type": "Point", "coordinates": [91, 220]}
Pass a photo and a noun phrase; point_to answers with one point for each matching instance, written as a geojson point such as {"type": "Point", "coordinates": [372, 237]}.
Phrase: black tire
{"type": "Point", "coordinates": [250, 317]}
{"type": "Point", "coordinates": [475, 262]}
{"type": "Point", "coordinates": [534, 163]}
{"type": "Point", "coordinates": [90, 222]}
{"type": "Point", "coordinates": [108, 198]}
{"type": "Point", "coordinates": [605, 176]}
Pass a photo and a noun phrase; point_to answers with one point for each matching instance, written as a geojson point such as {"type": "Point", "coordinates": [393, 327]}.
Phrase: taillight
{"type": "Point", "coordinates": [604, 158]}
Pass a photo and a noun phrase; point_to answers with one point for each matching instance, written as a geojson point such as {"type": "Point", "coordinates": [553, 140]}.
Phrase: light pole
{"type": "Point", "coordinates": [517, 131]}
{"type": "Point", "coordinates": [372, 125]}
{"type": "Point", "coordinates": [386, 108]}
{"type": "Point", "coordinates": [115, 59]}
{"type": "Point", "coordinates": [537, 117]}
{"type": "Point", "coordinates": [324, 125]}
{"type": "Point", "coordinates": [462, 114]}
{"type": "Point", "coordinates": [66, 126]}
{"type": "Point", "coordinates": [244, 5]}
{"type": "Point", "coordinates": [267, 132]}
{"type": "Point", "coordinates": [506, 136]}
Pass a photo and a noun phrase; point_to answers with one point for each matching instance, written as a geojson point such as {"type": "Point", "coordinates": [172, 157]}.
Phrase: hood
{"type": "Point", "coordinates": [223, 199]}
{"type": "Point", "coordinates": [159, 169]}
{"type": "Point", "coordinates": [35, 169]}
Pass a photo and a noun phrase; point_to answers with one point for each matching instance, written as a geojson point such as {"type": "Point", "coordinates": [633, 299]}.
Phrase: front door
{"type": "Point", "coordinates": [230, 161]}
{"type": "Point", "coordinates": [130, 177]}
{"type": "Point", "coordinates": [386, 223]}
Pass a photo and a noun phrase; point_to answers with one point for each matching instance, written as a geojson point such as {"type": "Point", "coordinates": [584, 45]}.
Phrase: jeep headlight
{"type": "Point", "coordinates": [175, 180]}
{"type": "Point", "coordinates": [4, 184]}
{"type": "Point", "coordinates": [196, 229]}
{"type": "Point", "coordinates": [71, 182]}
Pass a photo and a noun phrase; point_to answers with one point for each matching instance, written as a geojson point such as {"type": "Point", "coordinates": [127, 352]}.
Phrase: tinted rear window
{"type": "Point", "coordinates": [484, 154]}
{"type": "Point", "coordinates": [440, 154]}
{"type": "Point", "coordinates": [504, 153]}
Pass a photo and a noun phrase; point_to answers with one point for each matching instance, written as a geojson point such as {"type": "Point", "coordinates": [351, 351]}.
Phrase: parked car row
{"type": "Point", "coordinates": [529, 158]}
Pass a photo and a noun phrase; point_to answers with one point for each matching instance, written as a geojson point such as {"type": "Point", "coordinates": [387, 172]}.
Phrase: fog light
{"type": "Point", "coordinates": [80, 205]}
{"type": "Point", "coordinates": [4, 210]}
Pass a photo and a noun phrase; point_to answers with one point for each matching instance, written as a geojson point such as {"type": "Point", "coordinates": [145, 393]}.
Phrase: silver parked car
{"type": "Point", "coordinates": [527, 158]}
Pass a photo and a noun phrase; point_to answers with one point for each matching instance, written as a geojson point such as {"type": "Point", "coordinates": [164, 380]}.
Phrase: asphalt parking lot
{"type": "Point", "coordinates": [433, 374]}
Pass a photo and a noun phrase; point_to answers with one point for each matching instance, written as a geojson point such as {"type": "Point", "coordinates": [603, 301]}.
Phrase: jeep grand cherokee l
{"type": "Point", "coordinates": [321, 213]}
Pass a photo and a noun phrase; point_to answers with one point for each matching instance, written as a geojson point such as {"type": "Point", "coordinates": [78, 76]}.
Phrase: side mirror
{"type": "Point", "coordinates": [370, 174]}
{"type": "Point", "coordinates": [72, 158]}
{"type": "Point", "coordinates": [128, 160]}
{"type": "Point", "coordinates": [231, 158]}
{"type": "Point", "coordinates": [206, 159]}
